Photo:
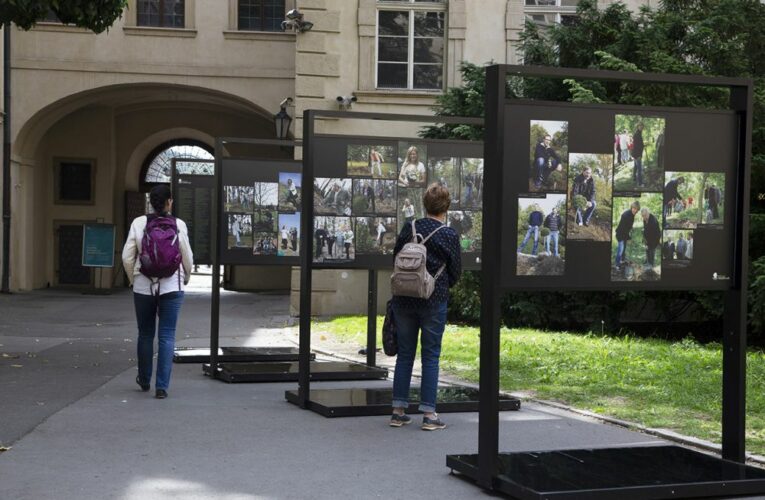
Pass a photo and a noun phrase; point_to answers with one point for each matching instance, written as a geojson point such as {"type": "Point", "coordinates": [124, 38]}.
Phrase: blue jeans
{"type": "Point", "coordinates": [554, 237]}
{"type": "Point", "coordinates": [637, 171]}
{"type": "Point", "coordinates": [432, 321]}
{"type": "Point", "coordinates": [531, 229]}
{"type": "Point", "coordinates": [147, 308]}
{"type": "Point", "coordinates": [587, 213]}
{"type": "Point", "coordinates": [621, 245]}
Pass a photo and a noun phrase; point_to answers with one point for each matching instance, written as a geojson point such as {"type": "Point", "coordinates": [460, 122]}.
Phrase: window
{"type": "Point", "coordinates": [411, 45]}
{"type": "Point", "coordinates": [549, 12]}
{"type": "Point", "coordinates": [158, 167]}
{"type": "Point", "coordinates": [161, 13]}
{"type": "Point", "coordinates": [260, 15]}
{"type": "Point", "coordinates": [74, 183]}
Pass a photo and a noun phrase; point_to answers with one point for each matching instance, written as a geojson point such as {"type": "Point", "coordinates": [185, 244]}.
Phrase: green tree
{"type": "Point", "coordinates": [95, 15]}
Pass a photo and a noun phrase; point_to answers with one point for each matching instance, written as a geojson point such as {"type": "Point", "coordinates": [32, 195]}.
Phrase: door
{"type": "Point", "coordinates": [70, 268]}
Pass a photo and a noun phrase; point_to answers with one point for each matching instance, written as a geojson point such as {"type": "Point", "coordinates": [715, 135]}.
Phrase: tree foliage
{"type": "Point", "coordinates": [95, 15]}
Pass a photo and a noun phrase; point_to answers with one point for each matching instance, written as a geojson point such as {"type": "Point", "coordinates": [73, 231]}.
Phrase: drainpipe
{"type": "Point", "coordinates": [5, 288]}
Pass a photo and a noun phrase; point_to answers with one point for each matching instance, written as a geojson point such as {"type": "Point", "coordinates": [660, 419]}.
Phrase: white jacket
{"type": "Point", "coordinates": [132, 249]}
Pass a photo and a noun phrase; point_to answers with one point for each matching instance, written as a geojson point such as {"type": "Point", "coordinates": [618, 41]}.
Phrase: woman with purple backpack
{"type": "Point", "coordinates": [158, 261]}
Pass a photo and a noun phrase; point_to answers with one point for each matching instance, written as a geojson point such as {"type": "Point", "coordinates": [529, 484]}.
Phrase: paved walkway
{"type": "Point", "coordinates": [78, 426]}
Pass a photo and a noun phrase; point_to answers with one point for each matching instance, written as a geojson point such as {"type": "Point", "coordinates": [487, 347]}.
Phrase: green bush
{"type": "Point", "coordinates": [757, 298]}
{"type": "Point", "coordinates": [545, 232]}
{"type": "Point", "coordinates": [602, 213]}
{"type": "Point", "coordinates": [580, 202]}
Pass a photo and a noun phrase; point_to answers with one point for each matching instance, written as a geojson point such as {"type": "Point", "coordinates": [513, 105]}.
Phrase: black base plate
{"type": "Point", "coordinates": [364, 402]}
{"type": "Point", "coordinates": [237, 354]}
{"type": "Point", "coordinates": [646, 472]}
{"type": "Point", "coordinates": [288, 371]}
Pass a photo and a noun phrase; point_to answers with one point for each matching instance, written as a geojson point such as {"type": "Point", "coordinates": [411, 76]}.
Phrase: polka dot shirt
{"type": "Point", "coordinates": [443, 248]}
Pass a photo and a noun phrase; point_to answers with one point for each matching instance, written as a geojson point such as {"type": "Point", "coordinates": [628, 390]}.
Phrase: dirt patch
{"type": "Point", "coordinates": [539, 265]}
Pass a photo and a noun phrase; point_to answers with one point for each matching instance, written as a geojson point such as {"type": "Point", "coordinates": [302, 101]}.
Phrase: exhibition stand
{"type": "Point", "coordinates": [365, 188]}
{"type": "Point", "coordinates": [685, 178]}
{"type": "Point", "coordinates": [258, 203]}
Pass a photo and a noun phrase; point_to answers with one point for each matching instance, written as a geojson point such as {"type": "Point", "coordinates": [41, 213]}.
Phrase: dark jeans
{"type": "Point", "coordinates": [432, 321]}
{"type": "Point", "coordinates": [650, 253]}
{"type": "Point", "coordinates": [637, 171]}
{"type": "Point", "coordinates": [147, 309]}
{"type": "Point", "coordinates": [543, 171]}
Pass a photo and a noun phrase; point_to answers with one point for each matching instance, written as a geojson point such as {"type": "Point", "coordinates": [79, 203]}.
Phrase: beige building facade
{"type": "Point", "coordinates": [172, 73]}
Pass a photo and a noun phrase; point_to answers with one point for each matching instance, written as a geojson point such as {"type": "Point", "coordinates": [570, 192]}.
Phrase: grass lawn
{"type": "Point", "coordinates": [655, 383]}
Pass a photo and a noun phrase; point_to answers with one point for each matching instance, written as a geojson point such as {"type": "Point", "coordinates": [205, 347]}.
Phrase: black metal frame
{"type": "Point", "coordinates": [175, 182]}
{"type": "Point", "coordinates": [306, 248]}
{"type": "Point", "coordinates": [734, 339]}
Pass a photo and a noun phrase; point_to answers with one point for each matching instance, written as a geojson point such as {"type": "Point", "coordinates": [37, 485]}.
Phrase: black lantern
{"type": "Point", "coordinates": [282, 121]}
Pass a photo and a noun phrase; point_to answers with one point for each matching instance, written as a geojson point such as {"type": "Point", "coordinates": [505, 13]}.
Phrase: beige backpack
{"type": "Point", "coordinates": [410, 276]}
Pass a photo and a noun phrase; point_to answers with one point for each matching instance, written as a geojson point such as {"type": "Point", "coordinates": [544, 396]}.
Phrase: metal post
{"type": "Point", "coordinates": [734, 322]}
{"type": "Point", "coordinates": [5, 287]}
{"type": "Point", "coordinates": [216, 248]}
{"type": "Point", "coordinates": [488, 407]}
{"type": "Point", "coordinates": [306, 260]}
{"type": "Point", "coordinates": [372, 319]}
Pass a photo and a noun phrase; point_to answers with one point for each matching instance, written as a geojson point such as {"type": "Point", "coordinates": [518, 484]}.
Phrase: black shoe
{"type": "Point", "coordinates": [397, 420]}
{"type": "Point", "coordinates": [586, 223]}
{"type": "Point", "coordinates": [160, 394]}
{"type": "Point", "coordinates": [144, 387]}
{"type": "Point", "coordinates": [432, 424]}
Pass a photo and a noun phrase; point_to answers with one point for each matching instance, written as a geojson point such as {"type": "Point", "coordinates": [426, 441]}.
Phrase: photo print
{"type": "Point", "coordinates": [541, 236]}
{"type": "Point", "coordinates": [264, 244]}
{"type": "Point", "coordinates": [472, 183]}
{"type": "Point", "coordinates": [374, 197]}
{"type": "Point", "coordinates": [238, 198]}
{"type": "Point", "coordinates": [636, 238]}
{"type": "Point", "coordinates": [290, 189]}
{"type": "Point", "coordinates": [412, 159]}
{"type": "Point", "coordinates": [333, 239]}
{"type": "Point", "coordinates": [589, 202]}
{"type": "Point", "coordinates": [332, 196]}
{"type": "Point", "coordinates": [677, 249]}
{"type": "Point", "coordinates": [638, 153]}
{"type": "Point", "coordinates": [375, 235]}
{"type": "Point", "coordinates": [378, 162]}
{"type": "Point", "coordinates": [446, 172]}
{"type": "Point", "coordinates": [692, 199]}
{"type": "Point", "coordinates": [264, 221]}
{"type": "Point", "coordinates": [266, 195]}
{"type": "Point", "coordinates": [289, 235]}
{"type": "Point", "coordinates": [467, 224]}
{"type": "Point", "coordinates": [548, 152]}
{"type": "Point", "coordinates": [409, 206]}
{"type": "Point", "coordinates": [195, 167]}
{"type": "Point", "coordinates": [239, 231]}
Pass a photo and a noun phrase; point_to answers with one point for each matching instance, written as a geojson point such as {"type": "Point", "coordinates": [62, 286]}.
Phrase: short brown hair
{"type": "Point", "coordinates": [437, 199]}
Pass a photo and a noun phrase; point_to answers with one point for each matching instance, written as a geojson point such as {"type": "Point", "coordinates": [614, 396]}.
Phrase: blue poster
{"type": "Point", "coordinates": [98, 245]}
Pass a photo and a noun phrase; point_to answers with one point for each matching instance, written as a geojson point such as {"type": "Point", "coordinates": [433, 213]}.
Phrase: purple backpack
{"type": "Point", "coordinates": [160, 247]}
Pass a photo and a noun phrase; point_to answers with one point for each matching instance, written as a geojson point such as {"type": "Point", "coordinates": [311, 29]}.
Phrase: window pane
{"type": "Point", "coordinates": [428, 76]}
{"type": "Point", "coordinates": [173, 13]}
{"type": "Point", "coordinates": [274, 15]}
{"type": "Point", "coordinates": [391, 75]}
{"type": "Point", "coordinates": [249, 14]}
{"type": "Point", "coordinates": [542, 2]}
{"type": "Point", "coordinates": [429, 50]}
{"type": "Point", "coordinates": [569, 3]}
{"type": "Point", "coordinates": [148, 13]}
{"type": "Point", "coordinates": [392, 49]}
{"type": "Point", "coordinates": [542, 19]}
{"type": "Point", "coordinates": [393, 23]}
{"type": "Point", "coordinates": [429, 24]}
{"type": "Point", "coordinates": [567, 20]}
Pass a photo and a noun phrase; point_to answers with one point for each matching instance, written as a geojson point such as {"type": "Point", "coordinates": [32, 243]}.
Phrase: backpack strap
{"type": "Point", "coordinates": [415, 234]}
{"type": "Point", "coordinates": [434, 232]}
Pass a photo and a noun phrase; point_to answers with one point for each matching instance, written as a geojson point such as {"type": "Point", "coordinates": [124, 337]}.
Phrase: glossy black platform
{"type": "Point", "coordinates": [237, 354]}
{"type": "Point", "coordinates": [364, 402]}
{"type": "Point", "coordinates": [288, 371]}
{"type": "Point", "coordinates": [616, 473]}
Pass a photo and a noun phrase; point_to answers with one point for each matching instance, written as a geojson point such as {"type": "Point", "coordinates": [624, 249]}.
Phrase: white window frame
{"type": "Point", "coordinates": [411, 6]}
{"type": "Point", "coordinates": [558, 10]}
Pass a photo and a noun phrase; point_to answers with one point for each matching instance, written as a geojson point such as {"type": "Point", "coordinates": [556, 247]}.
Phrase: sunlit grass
{"type": "Point", "coordinates": [656, 383]}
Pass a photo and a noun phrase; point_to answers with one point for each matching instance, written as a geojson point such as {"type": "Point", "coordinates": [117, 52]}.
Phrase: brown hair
{"type": "Point", "coordinates": [436, 200]}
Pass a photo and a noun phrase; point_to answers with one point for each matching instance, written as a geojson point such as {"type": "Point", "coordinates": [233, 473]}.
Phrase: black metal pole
{"type": "Point", "coordinates": [488, 406]}
{"type": "Point", "coordinates": [734, 326]}
{"type": "Point", "coordinates": [216, 247]}
{"type": "Point", "coordinates": [5, 287]}
{"type": "Point", "coordinates": [306, 260]}
{"type": "Point", "coordinates": [372, 319]}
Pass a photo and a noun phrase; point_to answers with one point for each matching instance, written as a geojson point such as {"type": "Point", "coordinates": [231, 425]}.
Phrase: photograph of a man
{"type": "Point", "coordinates": [289, 191]}
{"type": "Point", "coordinates": [589, 202]}
{"type": "Point", "coordinates": [332, 196]}
{"type": "Point", "coordinates": [677, 250]}
{"type": "Point", "coordinates": [713, 199]}
{"type": "Point", "coordinates": [549, 156]}
{"type": "Point", "coordinates": [540, 218]}
{"type": "Point", "coordinates": [637, 236]}
{"type": "Point", "coordinates": [641, 143]}
{"type": "Point", "coordinates": [672, 196]}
